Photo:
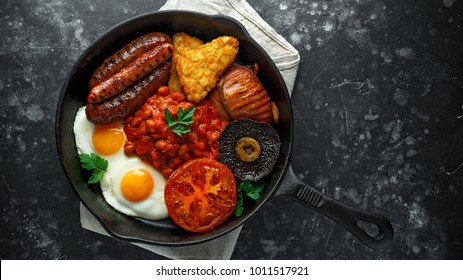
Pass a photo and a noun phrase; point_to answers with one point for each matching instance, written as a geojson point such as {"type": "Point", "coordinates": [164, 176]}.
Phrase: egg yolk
{"type": "Point", "coordinates": [137, 185]}
{"type": "Point", "coordinates": [108, 138]}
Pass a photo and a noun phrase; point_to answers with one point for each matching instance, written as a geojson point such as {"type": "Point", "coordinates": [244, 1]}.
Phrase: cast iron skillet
{"type": "Point", "coordinates": [281, 183]}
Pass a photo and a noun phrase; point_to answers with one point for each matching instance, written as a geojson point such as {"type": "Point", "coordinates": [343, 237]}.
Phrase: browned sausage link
{"type": "Point", "coordinates": [125, 103]}
{"type": "Point", "coordinates": [132, 73]}
{"type": "Point", "coordinates": [127, 55]}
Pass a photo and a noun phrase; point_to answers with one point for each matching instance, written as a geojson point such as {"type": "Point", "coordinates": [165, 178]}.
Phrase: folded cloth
{"type": "Point", "coordinates": [285, 57]}
{"type": "Point", "coordinates": [220, 248]}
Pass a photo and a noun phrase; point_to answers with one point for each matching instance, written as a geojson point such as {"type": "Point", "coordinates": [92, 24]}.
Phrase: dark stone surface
{"type": "Point", "coordinates": [378, 124]}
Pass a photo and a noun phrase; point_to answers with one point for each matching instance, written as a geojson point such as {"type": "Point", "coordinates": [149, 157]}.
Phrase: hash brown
{"type": "Point", "coordinates": [199, 69]}
{"type": "Point", "coordinates": [182, 43]}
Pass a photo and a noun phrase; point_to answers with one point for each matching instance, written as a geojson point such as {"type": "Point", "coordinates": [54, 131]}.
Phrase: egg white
{"type": "Point", "coordinates": [153, 207]}
{"type": "Point", "coordinates": [83, 133]}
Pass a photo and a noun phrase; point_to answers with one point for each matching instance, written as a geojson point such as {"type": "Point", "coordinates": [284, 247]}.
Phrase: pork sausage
{"type": "Point", "coordinates": [126, 102]}
{"type": "Point", "coordinates": [132, 73]}
{"type": "Point", "coordinates": [127, 55]}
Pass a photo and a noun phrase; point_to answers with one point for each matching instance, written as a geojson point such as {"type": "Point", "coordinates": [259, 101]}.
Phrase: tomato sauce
{"type": "Point", "coordinates": [149, 137]}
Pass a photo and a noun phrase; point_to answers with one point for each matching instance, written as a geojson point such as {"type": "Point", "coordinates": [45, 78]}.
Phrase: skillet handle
{"type": "Point", "coordinates": [349, 217]}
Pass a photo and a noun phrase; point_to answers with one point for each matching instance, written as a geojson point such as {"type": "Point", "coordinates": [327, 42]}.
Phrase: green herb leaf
{"type": "Point", "coordinates": [248, 189]}
{"type": "Point", "coordinates": [96, 176]}
{"type": "Point", "coordinates": [253, 191]}
{"type": "Point", "coordinates": [180, 129]}
{"type": "Point", "coordinates": [95, 163]}
{"type": "Point", "coordinates": [239, 205]}
{"type": "Point", "coordinates": [185, 117]}
{"type": "Point", "coordinates": [169, 121]}
{"type": "Point", "coordinates": [181, 124]}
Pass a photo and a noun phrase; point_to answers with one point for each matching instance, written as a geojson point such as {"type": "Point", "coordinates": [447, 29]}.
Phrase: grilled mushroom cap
{"type": "Point", "coordinates": [249, 148]}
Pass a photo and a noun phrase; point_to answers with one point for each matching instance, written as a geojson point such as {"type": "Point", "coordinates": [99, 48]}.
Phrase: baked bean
{"type": "Point", "coordinates": [142, 129]}
{"type": "Point", "coordinates": [137, 121]}
{"type": "Point", "coordinates": [151, 101]}
{"type": "Point", "coordinates": [129, 149]}
{"type": "Point", "coordinates": [156, 164]}
{"type": "Point", "coordinates": [202, 129]}
{"type": "Point", "coordinates": [155, 155]}
{"type": "Point", "coordinates": [176, 161]}
{"type": "Point", "coordinates": [212, 136]}
{"type": "Point", "coordinates": [147, 114]}
{"type": "Point", "coordinates": [161, 144]}
{"type": "Point", "coordinates": [149, 136]}
{"type": "Point", "coordinates": [150, 126]}
{"type": "Point", "coordinates": [177, 96]}
{"type": "Point", "coordinates": [182, 150]}
{"type": "Point", "coordinates": [167, 172]}
{"type": "Point", "coordinates": [163, 91]}
{"type": "Point", "coordinates": [175, 148]}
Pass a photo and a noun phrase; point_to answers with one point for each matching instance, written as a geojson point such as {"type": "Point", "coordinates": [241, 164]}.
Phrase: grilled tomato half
{"type": "Point", "coordinates": [200, 194]}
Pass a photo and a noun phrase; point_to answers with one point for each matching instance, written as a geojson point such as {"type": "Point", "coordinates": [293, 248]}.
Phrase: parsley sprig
{"type": "Point", "coordinates": [181, 124]}
{"type": "Point", "coordinates": [247, 189]}
{"type": "Point", "coordinates": [96, 164]}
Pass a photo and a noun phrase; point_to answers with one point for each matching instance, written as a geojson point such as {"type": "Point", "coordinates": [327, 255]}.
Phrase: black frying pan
{"type": "Point", "coordinates": [281, 183]}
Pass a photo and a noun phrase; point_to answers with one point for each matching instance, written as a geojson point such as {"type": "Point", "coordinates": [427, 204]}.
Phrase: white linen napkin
{"type": "Point", "coordinates": [286, 58]}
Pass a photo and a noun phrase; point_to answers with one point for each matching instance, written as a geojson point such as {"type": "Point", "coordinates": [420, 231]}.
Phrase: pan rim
{"type": "Point", "coordinates": [191, 240]}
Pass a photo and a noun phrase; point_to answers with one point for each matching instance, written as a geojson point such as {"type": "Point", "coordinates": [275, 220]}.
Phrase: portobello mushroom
{"type": "Point", "coordinates": [249, 148]}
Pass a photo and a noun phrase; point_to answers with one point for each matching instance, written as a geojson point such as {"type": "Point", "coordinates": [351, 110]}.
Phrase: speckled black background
{"type": "Point", "coordinates": [378, 124]}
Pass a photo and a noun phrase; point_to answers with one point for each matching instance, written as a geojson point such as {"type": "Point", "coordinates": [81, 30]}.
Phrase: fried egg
{"type": "Point", "coordinates": [129, 185]}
